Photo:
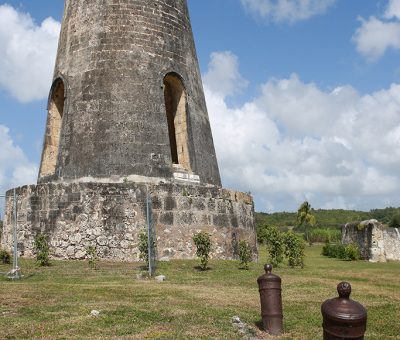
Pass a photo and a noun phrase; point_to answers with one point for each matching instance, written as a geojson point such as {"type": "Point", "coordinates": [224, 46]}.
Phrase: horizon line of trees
{"type": "Point", "coordinates": [330, 218]}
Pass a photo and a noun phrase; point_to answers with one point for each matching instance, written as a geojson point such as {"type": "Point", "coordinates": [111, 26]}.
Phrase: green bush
{"type": "Point", "coordinates": [144, 246]}
{"type": "Point", "coordinates": [5, 257]}
{"type": "Point", "coordinates": [333, 250]}
{"type": "Point", "coordinates": [294, 249]}
{"type": "Point", "coordinates": [273, 240]}
{"type": "Point", "coordinates": [202, 241]}
{"type": "Point", "coordinates": [326, 249]}
{"type": "Point", "coordinates": [349, 252]}
{"type": "Point", "coordinates": [42, 250]}
{"type": "Point", "coordinates": [245, 254]}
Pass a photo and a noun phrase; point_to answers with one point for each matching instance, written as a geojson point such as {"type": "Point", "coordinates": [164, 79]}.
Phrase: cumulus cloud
{"type": "Point", "coordinates": [376, 35]}
{"type": "Point", "coordinates": [27, 54]}
{"type": "Point", "coordinates": [296, 141]}
{"type": "Point", "coordinates": [290, 11]}
{"type": "Point", "coordinates": [223, 74]}
{"type": "Point", "coordinates": [393, 9]}
{"type": "Point", "coordinates": [15, 168]}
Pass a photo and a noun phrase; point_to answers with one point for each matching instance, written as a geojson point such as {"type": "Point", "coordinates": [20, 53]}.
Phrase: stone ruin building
{"type": "Point", "coordinates": [127, 116]}
{"type": "Point", "coordinates": [376, 242]}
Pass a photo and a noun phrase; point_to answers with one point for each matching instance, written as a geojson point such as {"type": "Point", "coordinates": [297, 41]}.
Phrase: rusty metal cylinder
{"type": "Point", "coordinates": [270, 288]}
{"type": "Point", "coordinates": [343, 318]}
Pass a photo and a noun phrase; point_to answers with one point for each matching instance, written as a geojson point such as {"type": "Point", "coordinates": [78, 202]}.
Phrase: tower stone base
{"type": "Point", "coordinates": [110, 216]}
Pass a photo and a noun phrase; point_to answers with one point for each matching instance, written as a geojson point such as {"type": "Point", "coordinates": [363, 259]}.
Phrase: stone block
{"type": "Point", "coordinates": [167, 218]}
{"type": "Point", "coordinates": [221, 220]}
{"type": "Point", "coordinates": [169, 203]}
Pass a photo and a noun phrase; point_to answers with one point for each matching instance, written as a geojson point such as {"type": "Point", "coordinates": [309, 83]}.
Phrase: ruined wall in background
{"type": "Point", "coordinates": [377, 243]}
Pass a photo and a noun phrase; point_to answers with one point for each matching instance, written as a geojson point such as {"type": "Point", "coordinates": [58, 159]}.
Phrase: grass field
{"type": "Point", "coordinates": [55, 302]}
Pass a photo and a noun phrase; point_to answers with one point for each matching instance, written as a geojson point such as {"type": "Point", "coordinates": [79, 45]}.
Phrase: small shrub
{"type": "Point", "coordinates": [144, 246]}
{"type": "Point", "coordinates": [336, 251]}
{"type": "Point", "coordinates": [92, 254]}
{"type": "Point", "coordinates": [42, 250]}
{"type": "Point", "coordinates": [348, 252]}
{"type": "Point", "coordinates": [351, 253]}
{"type": "Point", "coordinates": [326, 249]}
{"type": "Point", "coordinates": [330, 250]}
{"type": "Point", "coordinates": [245, 254]}
{"type": "Point", "coordinates": [340, 251]}
{"type": "Point", "coordinates": [274, 243]}
{"type": "Point", "coordinates": [294, 249]}
{"type": "Point", "coordinates": [202, 241]}
{"type": "Point", "coordinates": [5, 257]}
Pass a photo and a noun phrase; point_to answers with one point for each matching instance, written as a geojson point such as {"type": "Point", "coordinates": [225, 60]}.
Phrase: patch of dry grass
{"type": "Point", "coordinates": [56, 302]}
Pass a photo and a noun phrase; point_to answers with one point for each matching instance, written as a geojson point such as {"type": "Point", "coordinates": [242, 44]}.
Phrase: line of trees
{"type": "Point", "coordinates": [332, 218]}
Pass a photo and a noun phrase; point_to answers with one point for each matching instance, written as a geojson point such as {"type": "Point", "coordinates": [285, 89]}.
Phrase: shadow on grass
{"type": "Point", "coordinates": [259, 324]}
{"type": "Point", "coordinates": [200, 269]}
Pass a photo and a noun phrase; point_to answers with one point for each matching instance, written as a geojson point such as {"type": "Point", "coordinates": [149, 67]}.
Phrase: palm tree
{"type": "Point", "coordinates": [305, 218]}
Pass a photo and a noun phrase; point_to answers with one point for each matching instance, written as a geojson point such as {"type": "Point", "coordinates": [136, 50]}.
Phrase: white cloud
{"type": "Point", "coordinates": [290, 11]}
{"type": "Point", "coordinates": [376, 35]}
{"type": "Point", "coordinates": [223, 74]}
{"type": "Point", "coordinates": [15, 168]}
{"type": "Point", "coordinates": [393, 9]}
{"type": "Point", "coordinates": [27, 54]}
{"type": "Point", "coordinates": [296, 141]}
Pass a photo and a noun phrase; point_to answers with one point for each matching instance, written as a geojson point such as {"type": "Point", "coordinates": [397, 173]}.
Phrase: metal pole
{"type": "Point", "coordinates": [15, 270]}
{"type": "Point", "coordinates": [149, 239]}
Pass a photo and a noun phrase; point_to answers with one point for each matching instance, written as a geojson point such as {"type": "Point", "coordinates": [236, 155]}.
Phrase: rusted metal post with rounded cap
{"type": "Point", "coordinates": [343, 317]}
{"type": "Point", "coordinates": [271, 301]}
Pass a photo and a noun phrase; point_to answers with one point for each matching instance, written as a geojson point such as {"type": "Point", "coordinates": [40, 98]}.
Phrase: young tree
{"type": "Point", "coordinates": [144, 247]}
{"type": "Point", "coordinates": [202, 240]}
{"type": "Point", "coordinates": [305, 219]}
{"type": "Point", "coordinates": [42, 250]}
{"type": "Point", "coordinates": [274, 243]}
{"type": "Point", "coordinates": [245, 254]}
{"type": "Point", "coordinates": [294, 249]}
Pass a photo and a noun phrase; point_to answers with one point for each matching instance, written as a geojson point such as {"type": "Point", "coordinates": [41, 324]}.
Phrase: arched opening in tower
{"type": "Point", "coordinates": [53, 129]}
{"type": "Point", "coordinates": [175, 104]}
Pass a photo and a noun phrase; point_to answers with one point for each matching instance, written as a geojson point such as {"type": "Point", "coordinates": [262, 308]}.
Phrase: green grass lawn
{"type": "Point", "coordinates": [55, 302]}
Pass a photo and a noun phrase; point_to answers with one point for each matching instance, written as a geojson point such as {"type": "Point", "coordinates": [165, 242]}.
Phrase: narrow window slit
{"type": "Point", "coordinates": [53, 129]}
{"type": "Point", "coordinates": [175, 104]}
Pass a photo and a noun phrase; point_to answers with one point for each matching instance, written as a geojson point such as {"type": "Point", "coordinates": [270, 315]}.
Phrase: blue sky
{"type": "Point", "coordinates": [303, 96]}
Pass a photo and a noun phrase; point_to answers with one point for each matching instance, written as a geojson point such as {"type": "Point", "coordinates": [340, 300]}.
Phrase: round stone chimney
{"type": "Point", "coordinates": [127, 98]}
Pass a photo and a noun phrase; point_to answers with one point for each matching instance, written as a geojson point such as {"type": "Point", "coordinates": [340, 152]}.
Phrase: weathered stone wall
{"type": "Point", "coordinates": [391, 243]}
{"type": "Point", "coordinates": [110, 216]}
{"type": "Point", "coordinates": [113, 56]}
{"type": "Point", "coordinates": [376, 242]}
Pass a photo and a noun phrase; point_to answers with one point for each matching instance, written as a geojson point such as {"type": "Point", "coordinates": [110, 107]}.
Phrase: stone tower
{"type": "Point", "coordinates": [127, 97]}
{"type": "Point", "coordinates": [127, 117]}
